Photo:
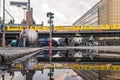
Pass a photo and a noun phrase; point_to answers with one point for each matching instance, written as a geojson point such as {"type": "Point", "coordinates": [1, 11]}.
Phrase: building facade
{"type": "Point", "coordinates": [104, 12]}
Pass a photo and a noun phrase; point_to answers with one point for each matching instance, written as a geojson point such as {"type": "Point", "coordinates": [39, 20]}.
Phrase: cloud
{"type": "Point", "coordinates": [66, 12]}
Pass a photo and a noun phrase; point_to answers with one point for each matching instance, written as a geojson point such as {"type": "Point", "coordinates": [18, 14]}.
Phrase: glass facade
{"type": "Point", "coordinates": [90, 19]}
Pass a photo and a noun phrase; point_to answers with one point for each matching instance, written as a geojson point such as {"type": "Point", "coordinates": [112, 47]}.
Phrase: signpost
{"type": "Point", "coordinates": [18, 4]}
{"type": "Point", "coordinates": [3, 23]}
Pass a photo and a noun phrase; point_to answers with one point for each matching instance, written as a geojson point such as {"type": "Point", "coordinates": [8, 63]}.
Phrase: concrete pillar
{"type": "Point", "coordinates": [29, 75]}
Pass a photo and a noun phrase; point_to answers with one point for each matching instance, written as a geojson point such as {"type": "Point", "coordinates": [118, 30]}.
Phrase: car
{"type": "Point", "coordinates": [61, 42]}
{"type": "Point", "coordinates": [45, 42]}
{"type": "Point", "coordinates": [13, 43]}
{"type": "Point", "coordinates": [45, 54]}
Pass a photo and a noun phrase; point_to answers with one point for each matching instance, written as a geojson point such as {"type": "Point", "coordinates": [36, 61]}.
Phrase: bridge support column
{"type": "Point", "coordinates": [3, 77]}
{"type": "Point", "coordinates": [29, 75]}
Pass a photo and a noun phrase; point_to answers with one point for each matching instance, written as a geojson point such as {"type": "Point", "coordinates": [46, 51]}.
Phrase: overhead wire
{"type": "Point", "coordinates": [8, 10]}
{"type": "Point", "coordinates": [0, 8]}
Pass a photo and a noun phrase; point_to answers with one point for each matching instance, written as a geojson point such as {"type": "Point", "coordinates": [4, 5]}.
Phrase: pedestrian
{"type": "Point", "coordinates": [17, 41]}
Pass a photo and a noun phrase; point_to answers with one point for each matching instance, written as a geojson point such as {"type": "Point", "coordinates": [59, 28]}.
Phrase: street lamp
{"type": "Point", "coordinates": [24, 8]}
{"type": "Point", "coordinates": [3, 23]}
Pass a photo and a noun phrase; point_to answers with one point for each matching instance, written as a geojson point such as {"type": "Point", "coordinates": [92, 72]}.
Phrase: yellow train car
{"type": "Point", "coordinates": [76, 28]}
{"type": "Point", "coordinates": [95, 28]}
{"type": "Point", "coordinates": [59, 28]}
{"type": "Point", "coordinates": [104, 27]}
{"type": "Point", "coordinates": [65, 28]}
{"type": "Point", "coordinates": [115, 27]}
{"type": "Point", "coordinates": [42, 28]}
{"type": "Point", "coordinates": [87, 28]}
{"type": "Point", "coordinates": [20, 28]}
{"type": "Point", "coordinates": [13, 28]}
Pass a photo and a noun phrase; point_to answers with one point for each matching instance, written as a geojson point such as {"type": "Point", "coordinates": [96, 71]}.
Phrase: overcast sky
{"type": "Point", "coordinates": [66, 12]}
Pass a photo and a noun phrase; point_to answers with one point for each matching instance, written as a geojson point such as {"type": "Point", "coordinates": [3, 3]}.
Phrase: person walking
{"type": "Point", "coordinates": [17, 41]}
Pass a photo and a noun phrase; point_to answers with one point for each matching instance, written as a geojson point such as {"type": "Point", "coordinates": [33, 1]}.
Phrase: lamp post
{"type": "Point", "coordinates": [24, 8]}
{"type": "Point", "coordinates": [3, 34]}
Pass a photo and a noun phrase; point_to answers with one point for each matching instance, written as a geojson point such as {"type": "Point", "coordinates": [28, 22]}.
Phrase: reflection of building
{"type": "Point", "coordinates": [104, 12]}
{"type": "Point", "coordinates": [109, 42]}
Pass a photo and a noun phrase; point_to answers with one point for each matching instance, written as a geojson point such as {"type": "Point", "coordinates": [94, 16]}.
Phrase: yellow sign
{"type": "Point", "coordinates": [77, 35]}
{"type": "Point", "coordinates": [82, 67]}
{"type": "Point", "coordinates": [67, 28]}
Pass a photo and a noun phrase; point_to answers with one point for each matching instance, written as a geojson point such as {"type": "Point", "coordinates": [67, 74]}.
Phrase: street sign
{"type": "Point", "coordinates": [19, 4]}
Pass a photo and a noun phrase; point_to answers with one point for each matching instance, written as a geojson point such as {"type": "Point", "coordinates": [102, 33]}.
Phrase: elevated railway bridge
{"type": "Point", "coordinates": [63, 31]}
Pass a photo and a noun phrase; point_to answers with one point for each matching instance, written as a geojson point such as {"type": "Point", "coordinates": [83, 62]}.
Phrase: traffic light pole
{"type": "Point", "coordinates": [50, 15]}
{"type": "Point", "coordinates": [50, 38]}
{"type": "Point", "coordinates": [3, 34]}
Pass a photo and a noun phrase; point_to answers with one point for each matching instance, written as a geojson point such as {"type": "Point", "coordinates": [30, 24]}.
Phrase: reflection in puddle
{"type": "Point", "coordinates": [66, 53]}
{"type": "Point", "coordinates": [28, 66]}
{"type": "Point", "coordinates": [59, 74]}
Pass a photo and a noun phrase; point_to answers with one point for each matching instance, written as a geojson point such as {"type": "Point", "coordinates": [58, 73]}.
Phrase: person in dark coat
{"type": "Point", "coordinates": [17, 41]}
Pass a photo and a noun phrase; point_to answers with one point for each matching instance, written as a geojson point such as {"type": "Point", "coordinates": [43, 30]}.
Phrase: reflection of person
{"type": "Point", "coordinates": [6, 43]}
{"type": "Point", "coordinates": [66, 54]}
{"type": "Point", "coordinates": [1, 42]}
{"type": "Point", "coordinates": [71, 41]}
{"type": "Point", "coordinates": [66, 41]}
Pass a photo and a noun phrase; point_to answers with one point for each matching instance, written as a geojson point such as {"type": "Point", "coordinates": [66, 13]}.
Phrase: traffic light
{"type": "Point", "coordinates": [13, 21]}
{"type": "Point", "coordinates": [50, 14]}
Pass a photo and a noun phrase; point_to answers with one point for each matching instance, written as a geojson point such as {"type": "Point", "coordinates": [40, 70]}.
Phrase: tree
{"type": "Point", "coordinates": [23, 21]}
{"type": "Point", "coordinates": [11, 22]}
{"type": "Point", "coordinates": [0, 20]}
{"type": "Point", "coordinates": [34, 22]}
{"type": "Point", "coordinates": [1, 27]}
